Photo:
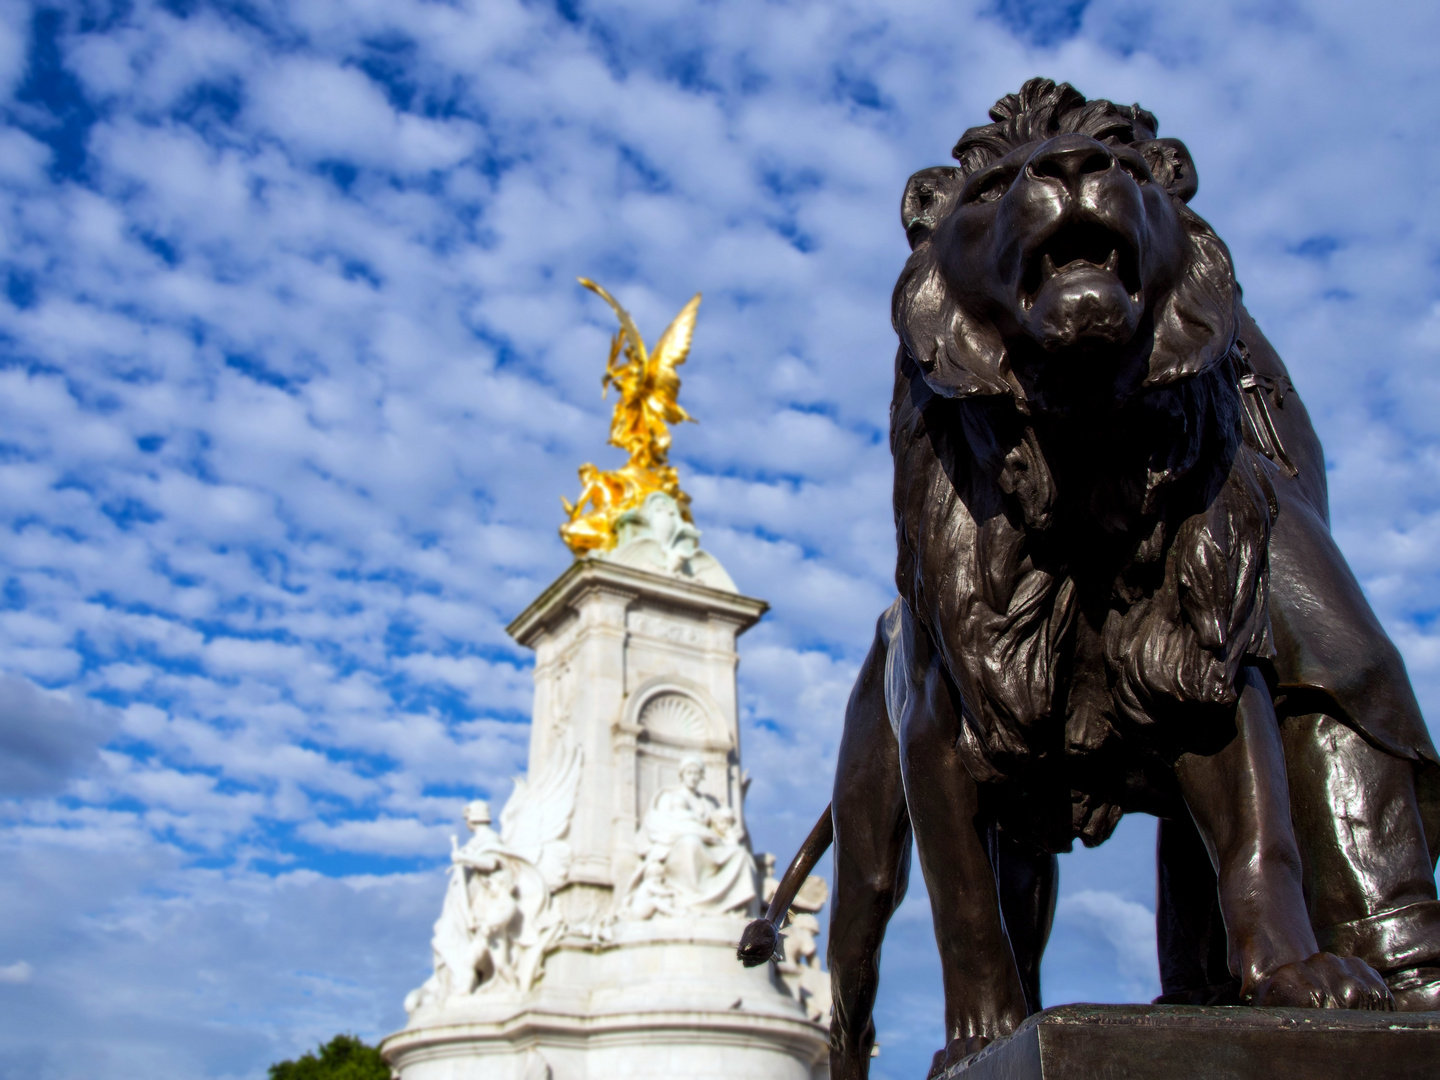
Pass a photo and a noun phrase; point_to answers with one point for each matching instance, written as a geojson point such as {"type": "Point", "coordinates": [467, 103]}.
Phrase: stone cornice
{"type": "Point", "coordinates": [591, 575]}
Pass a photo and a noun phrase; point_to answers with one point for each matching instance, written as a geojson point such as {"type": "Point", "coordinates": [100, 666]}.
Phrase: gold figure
{"type": "Point", "coordinates": [648, 386]}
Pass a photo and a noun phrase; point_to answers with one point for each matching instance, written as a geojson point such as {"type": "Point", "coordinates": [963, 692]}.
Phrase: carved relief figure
{"type": "Point", "coordinates": [497, 921]}
{"type": "Point", "coordinates": [1118, 593]}
{"type": "Point", "coordinates": [652, 894]}
{"type": "Point", "coordinates": [694, 856]}
{"type": "Point", "coordinates": [797, 959]}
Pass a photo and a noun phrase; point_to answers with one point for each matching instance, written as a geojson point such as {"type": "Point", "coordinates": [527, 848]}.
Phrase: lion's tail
{"type": "Point", "coordinates": [762, 937]}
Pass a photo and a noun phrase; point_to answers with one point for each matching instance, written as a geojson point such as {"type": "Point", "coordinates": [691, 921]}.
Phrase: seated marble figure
{"type": "Point", "coordinates": [694, 859]}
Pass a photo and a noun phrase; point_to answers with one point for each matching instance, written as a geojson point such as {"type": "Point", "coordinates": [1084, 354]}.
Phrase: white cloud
{"type": "Point", "coordinates": [321, 111]}
{"type": "Point", "coordinates": [1127, 927]}
{"type": "Point", "coordinates": [16, 973]}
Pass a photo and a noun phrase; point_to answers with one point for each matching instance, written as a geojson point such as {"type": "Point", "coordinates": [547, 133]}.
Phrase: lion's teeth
{"type": "Point", "coordinates": [1047, 267]}
{"type": "Point", "coordinates": [1113, 262]}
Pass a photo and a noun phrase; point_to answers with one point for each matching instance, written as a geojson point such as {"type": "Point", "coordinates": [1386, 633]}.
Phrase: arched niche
{"type": "Point", "coordinates": [677, 719]}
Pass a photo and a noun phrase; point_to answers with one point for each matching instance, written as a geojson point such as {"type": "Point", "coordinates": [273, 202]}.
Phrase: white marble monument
{"type": "Point", "coordinates": [594, 935]}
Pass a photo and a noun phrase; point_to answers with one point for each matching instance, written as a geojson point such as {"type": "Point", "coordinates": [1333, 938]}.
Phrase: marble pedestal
{"type": "Point", "coordinates": [664, 1000]}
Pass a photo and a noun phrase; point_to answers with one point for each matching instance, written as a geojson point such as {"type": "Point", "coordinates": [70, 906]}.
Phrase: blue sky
{"type": "Point", "coordinates": [293, 371]}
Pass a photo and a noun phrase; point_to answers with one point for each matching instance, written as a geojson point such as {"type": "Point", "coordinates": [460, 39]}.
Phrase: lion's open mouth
{"type": "Point", "coordinates": [1081, 246]}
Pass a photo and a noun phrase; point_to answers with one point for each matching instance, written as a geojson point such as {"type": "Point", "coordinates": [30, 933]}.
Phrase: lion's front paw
{"type": "Point", "coordinates": [1324, 982]}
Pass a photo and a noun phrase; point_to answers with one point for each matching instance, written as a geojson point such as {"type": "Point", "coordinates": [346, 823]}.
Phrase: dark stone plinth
{"type": "Point", "coordinates": [1184, 1042]}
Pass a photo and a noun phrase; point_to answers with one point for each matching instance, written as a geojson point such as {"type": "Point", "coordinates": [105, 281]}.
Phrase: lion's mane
{"type": "Point", "coordinates": [1140, 549]}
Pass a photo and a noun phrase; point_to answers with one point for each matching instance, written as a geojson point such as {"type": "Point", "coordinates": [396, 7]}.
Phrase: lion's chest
{"type": "Point", "coordinates": [1051, 728]}
{"type": "Point", "coordinates": [1088, 657]}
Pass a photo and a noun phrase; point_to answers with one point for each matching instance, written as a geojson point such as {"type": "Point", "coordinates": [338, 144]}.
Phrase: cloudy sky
{"type": "Point", "coordinates": [294, 369]}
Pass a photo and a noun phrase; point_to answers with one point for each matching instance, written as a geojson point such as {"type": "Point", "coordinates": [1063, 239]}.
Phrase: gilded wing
{"type": "Point", "coordinates": [674, 345]}
{"type": "Point", "coordinates": [629, 334]}
{"type": "Point", "coordinates": [670, 352]}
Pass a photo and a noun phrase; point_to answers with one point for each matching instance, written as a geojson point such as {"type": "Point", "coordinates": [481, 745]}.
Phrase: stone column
{"type": "Point", "coordinates": [602, 632]}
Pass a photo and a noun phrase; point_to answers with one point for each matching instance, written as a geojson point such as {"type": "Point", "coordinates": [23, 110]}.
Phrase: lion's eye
{"type": "Point", "coordinates": [989, 188]}
{"type": "Point", "coordinates": [1137, 169]}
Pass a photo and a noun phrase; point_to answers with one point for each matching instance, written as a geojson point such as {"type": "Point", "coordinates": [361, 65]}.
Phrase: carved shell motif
{"type": "Point", "coordinates": [673, 716]}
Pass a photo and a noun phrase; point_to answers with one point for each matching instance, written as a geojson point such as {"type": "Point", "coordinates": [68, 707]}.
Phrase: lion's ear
{"type": "Point", "coordinates": [928, 197]}
{"type": "Point", "coordinates": [1172, 166]}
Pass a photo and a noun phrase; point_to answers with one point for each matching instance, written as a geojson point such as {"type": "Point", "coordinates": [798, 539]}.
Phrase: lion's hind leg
{"type": "Point", "coordinates": [872, 864]}
{"type": "Point", "coordinates": [1029, 885]}
{"type": "Point", "coordinates": [1189, 929]}
{"type": "Point", "coordinates": [984, 996]}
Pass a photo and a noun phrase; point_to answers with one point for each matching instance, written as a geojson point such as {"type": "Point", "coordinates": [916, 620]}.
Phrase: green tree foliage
{"type": "Point", "coordinates": [343, 1058]}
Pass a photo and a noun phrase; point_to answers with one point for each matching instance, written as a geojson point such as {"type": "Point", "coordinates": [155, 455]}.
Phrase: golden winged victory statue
{"type": "Point", "coordinates": [648, 385]}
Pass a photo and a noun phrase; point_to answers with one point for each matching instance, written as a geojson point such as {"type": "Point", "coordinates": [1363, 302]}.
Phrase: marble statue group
{"type": "Point", "coordinates": [695, 857]}
{"type": "Point", "coordinates": [497, 921]}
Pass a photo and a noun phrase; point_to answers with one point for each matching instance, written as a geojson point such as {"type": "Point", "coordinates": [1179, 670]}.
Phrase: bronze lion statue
{"type": "Point", "coordinates": [1118, 593]}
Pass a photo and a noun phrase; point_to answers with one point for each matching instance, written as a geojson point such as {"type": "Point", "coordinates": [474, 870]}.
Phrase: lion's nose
{"type": "Point", "coordinates": [1069, 159]}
